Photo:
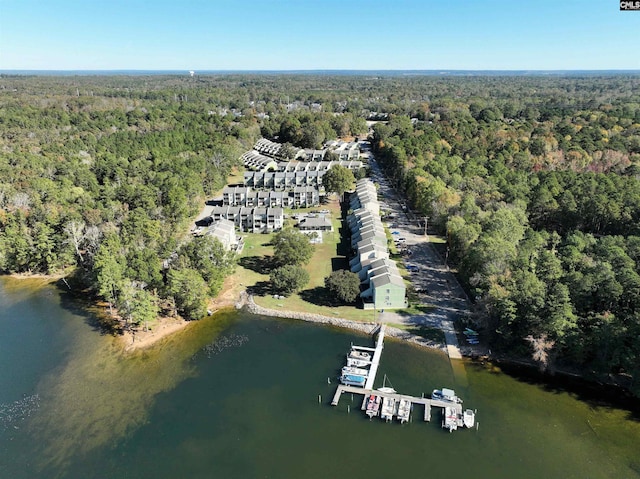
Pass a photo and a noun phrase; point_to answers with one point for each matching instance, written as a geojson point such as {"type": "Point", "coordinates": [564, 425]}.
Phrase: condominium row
{"type": "Point", "coordinates": [297, 197]}
{"type": "Point", "coordinates": [254, 220]}
{"type": "Point", "coordinates": [282, 180]}
{"type": "Point", "coordinates": [381, 284]}
{"type": "Point", "coordinates": [344, 150]}
{"type": "Point", "coordinates": [254, 162]}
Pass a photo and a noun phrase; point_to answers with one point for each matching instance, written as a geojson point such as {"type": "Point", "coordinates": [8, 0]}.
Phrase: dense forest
{"type": "Point", "coordinates": [534, 180]}
{"type": "Point", "coordinates": [536, 185]}
{"type": "Point", "coordinates": [103, 176]}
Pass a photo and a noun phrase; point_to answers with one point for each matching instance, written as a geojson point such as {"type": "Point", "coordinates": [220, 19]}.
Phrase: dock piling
{"type": "Point", "coordinates": [368, 391]}
{"type": "Point", "coordinates": [319, 399]}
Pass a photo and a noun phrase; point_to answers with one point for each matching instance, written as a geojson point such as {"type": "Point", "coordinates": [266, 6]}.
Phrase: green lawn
{"type": "Point", "coordinates": [314, 298]}
{"type": "Point", "coordinates": [252, 272]}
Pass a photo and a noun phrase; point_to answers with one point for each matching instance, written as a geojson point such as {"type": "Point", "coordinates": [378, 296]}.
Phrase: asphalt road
{"type": "Point", "coordinates": [439, 286]}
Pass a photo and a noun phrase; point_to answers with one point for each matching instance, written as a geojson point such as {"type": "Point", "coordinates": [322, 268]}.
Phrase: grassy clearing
{"type": "Point", "coordinates": [252, 272]}
{"type": "Point", "coordinates": [235, 178]}
{"type": "Point", "coordinates": [435, 239]}
{"type": "Point", "coordinates": [253, 263]}
{"type": "Point", "coordinates": [416, 309]}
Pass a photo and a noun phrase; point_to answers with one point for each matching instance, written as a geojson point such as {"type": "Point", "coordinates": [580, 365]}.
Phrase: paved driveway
{"type": "Point", "coordinates": [439, 286]}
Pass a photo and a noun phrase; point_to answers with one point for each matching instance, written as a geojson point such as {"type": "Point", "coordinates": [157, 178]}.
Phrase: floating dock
{"type": "Point", "coordinates": [368, 390]}
{"type": "Point", "coordinates": [426, 402]}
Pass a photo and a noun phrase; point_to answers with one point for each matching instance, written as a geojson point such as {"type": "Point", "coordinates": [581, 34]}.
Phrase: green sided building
{"type": "Point", "coordinates": [387, 291]}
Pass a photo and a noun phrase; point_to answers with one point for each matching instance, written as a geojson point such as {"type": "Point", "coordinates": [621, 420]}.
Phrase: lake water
{"type": "Point", "coordinates": [237, 396]}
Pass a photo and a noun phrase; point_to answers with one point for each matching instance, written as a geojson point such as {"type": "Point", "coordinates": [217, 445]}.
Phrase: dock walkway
{"type": "Point", "coordinates": [375, 361]}
{"type": "Point", "coordinates": [428, 403]}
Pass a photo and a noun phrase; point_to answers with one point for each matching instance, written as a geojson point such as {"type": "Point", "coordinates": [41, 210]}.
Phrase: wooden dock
{"type": "Point", "coordinates": [368, 389]}
{"type": "Point", "coordinates": [375, 361]}
{"type": "Point", "coordinates": [426, 402]}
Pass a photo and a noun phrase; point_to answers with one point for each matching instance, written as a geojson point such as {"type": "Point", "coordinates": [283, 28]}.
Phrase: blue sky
{"type": "Point", "coordinates": [318, 34]}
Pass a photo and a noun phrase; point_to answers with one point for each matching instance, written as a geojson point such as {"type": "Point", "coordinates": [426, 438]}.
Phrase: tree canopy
{"type": "Point", "coordinates": [106, 182]}
{"type": "Point", "coordinates": [344, 285]}
{"type": "Point", "coordinates": [288, 279]}
{"type": "Point", "coordinates": [291, 247]}
{"type": "Point", "coordinates": [540, 204]}
{"type": "Point", "coordinates": [338, 180]}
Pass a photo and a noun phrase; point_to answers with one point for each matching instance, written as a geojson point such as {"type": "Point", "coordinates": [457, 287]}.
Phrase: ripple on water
{"type": "Point", "coordinates": [220, 344]}
{"type": "Point", "coordinates": [14, 412]}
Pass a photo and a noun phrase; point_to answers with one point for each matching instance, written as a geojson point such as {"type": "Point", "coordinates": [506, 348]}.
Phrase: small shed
{"type": "Point", "coordinates": [319, 223]}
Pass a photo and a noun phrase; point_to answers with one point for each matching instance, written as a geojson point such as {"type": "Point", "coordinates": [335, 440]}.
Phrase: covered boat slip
{"type": "Point", "coordinates": [353, 380]}
{"type": "Point", "coordinates": [388, 408]}
{"type": "Point", "coordinates": [426, 402]}
{"type": "Point", "coordinates": [360, 381]}
{"type": "Point", "coordinates": [366, 377]}
{"type": "Point", "coordinates": [373, 405]}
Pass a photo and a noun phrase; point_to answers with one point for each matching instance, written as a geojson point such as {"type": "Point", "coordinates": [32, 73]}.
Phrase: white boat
{"type": "Point", "coordinates": [353, 380]}
{"type": "Point", "coordinates": [385, 388]}
{"type": "Point", "coordinates": [388, 408]}
{"type": "Point", "coordinates": [404, 410]}
{"type": "Point", "coordinates": [450, 419]}
{"type": "Point", "coordinates": [373, 405]}
{"type": "Point", "coordinates": [357, 362]}
{"type": "Point", "coordinates": [445, 394]}
{"type": "Point", "coordinates": [469, 418]}
{"type": "Point", "coordinates": [357, 354]}
{"type": "Point", "coordinates": [356, 371]}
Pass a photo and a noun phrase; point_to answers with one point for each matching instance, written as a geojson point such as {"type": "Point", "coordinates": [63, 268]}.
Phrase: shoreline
{"type": "Point", "coordinates": [165, 327]}
{"type": "Point", "coordinates": [137, 340]}
{"type": "Point", "coordinates": [44, 278]}
{"type": "Point", "coordinates": [134, 341]}
{"type": "Point", "coordinates": [246, 302]}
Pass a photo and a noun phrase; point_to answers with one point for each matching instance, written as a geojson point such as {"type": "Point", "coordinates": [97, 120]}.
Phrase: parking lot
{"type": "Point", "coordinates": [431, 279]}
